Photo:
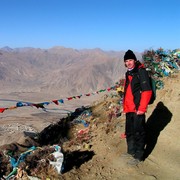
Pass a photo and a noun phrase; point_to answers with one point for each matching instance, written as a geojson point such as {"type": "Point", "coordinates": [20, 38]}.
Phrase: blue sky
{"type": "Point", "coordinates": [106, 24]}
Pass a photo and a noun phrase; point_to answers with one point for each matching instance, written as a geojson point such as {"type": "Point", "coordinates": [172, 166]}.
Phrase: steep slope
{"type": "Point", "coordinates": [94, 151]}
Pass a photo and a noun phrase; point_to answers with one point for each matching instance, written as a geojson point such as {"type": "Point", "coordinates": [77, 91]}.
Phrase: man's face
{"type": "Point", "coordinates": [130, 63]}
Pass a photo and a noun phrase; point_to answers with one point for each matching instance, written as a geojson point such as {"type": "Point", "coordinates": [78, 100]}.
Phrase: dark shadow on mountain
{"type": "Point", "coordinates": [30, 134]}
{"type": "Point", "coordinates": [54, 133]}
{"type": "Point", "coordinates": [58, 133]}
{"type": "Point", "coordinates": [76, 159]}
{"type": "Point", "coordinates": [158, 120]}
{"type": "Point", "coordinates": [79, 111]}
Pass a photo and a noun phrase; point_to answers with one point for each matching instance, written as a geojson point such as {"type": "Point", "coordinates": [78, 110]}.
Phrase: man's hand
{"type": "Point", "coordinates": [140, 113]}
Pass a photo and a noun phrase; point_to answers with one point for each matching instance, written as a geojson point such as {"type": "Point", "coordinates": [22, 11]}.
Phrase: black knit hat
{"type": "Point", "coordinates": [129, 55]}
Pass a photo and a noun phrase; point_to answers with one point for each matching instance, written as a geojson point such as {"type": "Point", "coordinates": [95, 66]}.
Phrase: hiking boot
{"type": "Point", "coordinates": [133, 162]}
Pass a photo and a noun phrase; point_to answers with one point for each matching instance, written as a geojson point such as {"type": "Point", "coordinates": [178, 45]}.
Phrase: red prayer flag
{"type": "Point", "coordinates": [2, 110]}
{"type": "Point", "coordinates": [69, 98]}
{"type": "Point", "coordinates": [56, 102]}
{"type": "Point", "coordinates": [78, 97]}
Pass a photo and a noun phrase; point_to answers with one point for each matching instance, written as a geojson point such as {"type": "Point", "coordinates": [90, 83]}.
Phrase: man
{"type": "Point", "coordinates": [137, 93]}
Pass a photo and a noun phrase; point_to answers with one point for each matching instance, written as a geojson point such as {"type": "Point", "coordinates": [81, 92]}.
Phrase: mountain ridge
{"type": "Point", "coordinates": [59, 69]}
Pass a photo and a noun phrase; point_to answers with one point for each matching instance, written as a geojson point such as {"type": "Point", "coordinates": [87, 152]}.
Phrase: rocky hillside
{"type": "Point", "coordinates": [92, 141]}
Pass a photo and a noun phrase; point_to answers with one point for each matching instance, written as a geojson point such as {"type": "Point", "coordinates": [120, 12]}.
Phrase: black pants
{"type": "Point", "coordinates": [135, 135]}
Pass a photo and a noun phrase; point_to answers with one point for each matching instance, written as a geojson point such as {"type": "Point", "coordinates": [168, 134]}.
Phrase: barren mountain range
{"type": "Point", "coordinates": [64, 70]}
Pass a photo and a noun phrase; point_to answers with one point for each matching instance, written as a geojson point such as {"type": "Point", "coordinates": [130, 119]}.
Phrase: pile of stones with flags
{"type": "Point", "coordinates": [162, 63]}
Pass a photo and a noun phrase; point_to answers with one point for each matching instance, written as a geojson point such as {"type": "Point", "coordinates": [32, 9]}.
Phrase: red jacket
{"type": "Point", "coordinates": [137, 93]}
